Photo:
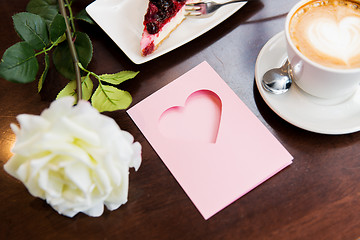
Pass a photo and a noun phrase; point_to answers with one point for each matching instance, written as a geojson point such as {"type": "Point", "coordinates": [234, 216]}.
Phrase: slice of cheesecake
{"type": "Point", "coordinates": [161, 18]}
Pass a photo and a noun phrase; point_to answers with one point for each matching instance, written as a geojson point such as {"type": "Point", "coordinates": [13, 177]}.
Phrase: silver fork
{"type": "Point", "coordinates": [205, 8]}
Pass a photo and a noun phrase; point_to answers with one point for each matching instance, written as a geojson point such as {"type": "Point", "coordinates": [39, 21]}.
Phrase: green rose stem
{"type": "Point", "coordinates": [72, 50]}
{"type": "Point", "coordinates": [71, 16]}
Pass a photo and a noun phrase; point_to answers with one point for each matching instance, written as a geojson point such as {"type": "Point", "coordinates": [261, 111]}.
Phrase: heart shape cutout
{"type": "Point", "coordinates": [338, 39]}
{"type": "Point", "coordinates": [197, 121]}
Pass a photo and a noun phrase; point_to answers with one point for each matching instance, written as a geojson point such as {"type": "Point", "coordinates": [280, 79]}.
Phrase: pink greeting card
{"type": "Point", "coordinates": [210, 141]}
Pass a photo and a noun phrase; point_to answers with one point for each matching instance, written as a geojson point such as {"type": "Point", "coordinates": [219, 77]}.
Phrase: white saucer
{"type": "Point", "coordinates": [299, 108]}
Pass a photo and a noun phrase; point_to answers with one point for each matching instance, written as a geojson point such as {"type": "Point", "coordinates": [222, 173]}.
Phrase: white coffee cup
{"type": "Point", "coordinates": [317, 79]}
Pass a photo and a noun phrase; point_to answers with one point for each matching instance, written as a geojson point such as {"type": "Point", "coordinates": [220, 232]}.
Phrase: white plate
{"type": "Point", "coordinates": [122, 20]}
{"type": "Point", "coordinates": [299, 108]}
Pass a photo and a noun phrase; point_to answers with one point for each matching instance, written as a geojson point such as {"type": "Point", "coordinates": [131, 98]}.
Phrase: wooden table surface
{"type": "Point", "coordinates": [316, 197]}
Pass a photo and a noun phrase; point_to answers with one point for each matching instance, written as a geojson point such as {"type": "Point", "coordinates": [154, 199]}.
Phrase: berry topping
{"type": "Point", "coordinates": [160, 12]}
{"type": "Point", "coordinates": [152, 27]}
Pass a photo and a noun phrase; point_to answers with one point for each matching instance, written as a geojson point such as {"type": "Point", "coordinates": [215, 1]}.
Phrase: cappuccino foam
{"type": "Point", "coordinates": [328, 32]}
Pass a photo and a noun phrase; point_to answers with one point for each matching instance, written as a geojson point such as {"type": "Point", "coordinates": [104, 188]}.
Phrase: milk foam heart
{"type": "Point", "coordinates": [337, 39]}
{"type": "Point", "coordinates": [328, 32]}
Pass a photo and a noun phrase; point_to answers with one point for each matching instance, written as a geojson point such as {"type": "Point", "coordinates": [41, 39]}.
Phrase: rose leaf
{"type": "Point", "coordinates": [57, 28]}
{"type": "Point", "coordinates": [87, 87]}
{"type": "Point", "coordinates": [47, 9]}
{"type": "Point", "coordinates": [83, 16]}
{"type": "Point", "coordinates": [19, 63]}
{"type": "Point", "coordinates": [43, 75]}
{"type": "Point", "coordinates": [109, 98]}
{"type": "Point", "coordinates": [118, 78]}
{"type": "Point", "coordinates": [32, 29]}
{"type": "Point", "coordinates": [68, 90]}
{"type": "Point", "coordinates": [62, 56]}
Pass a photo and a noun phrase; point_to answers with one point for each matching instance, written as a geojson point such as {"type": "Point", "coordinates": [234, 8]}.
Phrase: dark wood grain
{"type": "Point", "coordinates": [317, 197]}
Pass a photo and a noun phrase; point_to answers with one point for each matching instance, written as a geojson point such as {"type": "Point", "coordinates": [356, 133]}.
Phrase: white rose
{"type": "Point", "coordinates": [74, 157]}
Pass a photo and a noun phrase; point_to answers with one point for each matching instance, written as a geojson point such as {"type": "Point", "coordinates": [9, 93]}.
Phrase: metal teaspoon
{"type": "Point", "coordinates": [277, 80]}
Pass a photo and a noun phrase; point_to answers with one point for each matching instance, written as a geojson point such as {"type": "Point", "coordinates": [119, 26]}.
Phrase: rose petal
{"type": "Point", "coordinates": [75, 158]}
{"type": "Point", "coordinates": [79, 174]}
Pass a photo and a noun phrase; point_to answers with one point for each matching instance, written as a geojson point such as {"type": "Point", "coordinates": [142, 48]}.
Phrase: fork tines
{"type": "Point", "coordinates": [191, 9]}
